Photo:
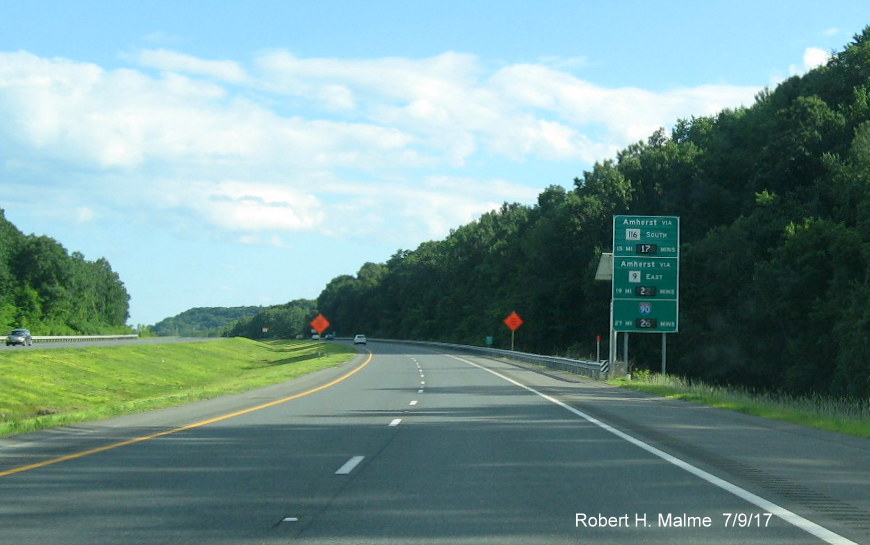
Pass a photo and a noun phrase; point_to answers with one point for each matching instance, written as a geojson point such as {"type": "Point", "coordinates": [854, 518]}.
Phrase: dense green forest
{"type": "Point", "coordinates": [49, 291]}
{"type": "Point", "coordinates": [283, 321]}
{"type": "Point", "coordinates": [203, 321]}
{"type": "Point", "coordinates": [774, 201]}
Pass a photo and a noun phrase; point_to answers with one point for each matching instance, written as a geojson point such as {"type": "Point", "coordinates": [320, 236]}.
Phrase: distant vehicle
{"type": "Point", "coordinates": [19, 336]}
{"type": "Point", "coordinates": [315, 337]}
{"type": "Point", "coordinates": [359, 339]}
{"type": "Point", "coordinates": [329, 336]}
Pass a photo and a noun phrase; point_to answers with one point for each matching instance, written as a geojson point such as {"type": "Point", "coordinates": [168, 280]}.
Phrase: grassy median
{"type": "Point", "coordinates": [849, 416]}
{"type": "Point", "coordinates": [41, 389]}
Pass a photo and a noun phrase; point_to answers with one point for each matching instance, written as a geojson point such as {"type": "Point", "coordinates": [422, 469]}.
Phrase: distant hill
{"type": "Point", "coordinates": [203, 321]}
{"type": "Point", "coordinates": [281, 321]}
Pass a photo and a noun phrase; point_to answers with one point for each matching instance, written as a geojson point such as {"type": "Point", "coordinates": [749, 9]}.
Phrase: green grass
{"type": "Point", "coordinates": [40, 389]}
{"type": "Point", "coordinates": [847, 416]}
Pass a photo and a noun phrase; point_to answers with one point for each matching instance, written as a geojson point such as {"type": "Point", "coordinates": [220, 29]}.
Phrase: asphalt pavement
{"type": "Point", "coordinates": [409, 446]}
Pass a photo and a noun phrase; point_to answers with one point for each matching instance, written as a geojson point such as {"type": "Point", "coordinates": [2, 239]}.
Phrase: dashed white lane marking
{"type": "Point", "coordinates": [349, 465]}
{"type": "Point", "coordinates": [395, 422]}
{"type": "Point", "coordinates": [422, 382]}
{"type": "Point", "coordinates": [413, 403]}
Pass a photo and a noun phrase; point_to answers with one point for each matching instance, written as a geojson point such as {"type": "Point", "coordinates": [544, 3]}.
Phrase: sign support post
{"type": "Point", "coordinates": [513, 321]}
{"type": "Point", "coordinates": [611, 355]}
{"type": "Point", "coordinates": [625, 350]}
{"type": "Point", "coordinates": [664, 354]}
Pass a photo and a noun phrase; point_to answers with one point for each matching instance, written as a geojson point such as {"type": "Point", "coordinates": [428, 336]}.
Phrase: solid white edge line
{"type": "Point", "coordinates": [349, 465]}
{"type": "Point", "coordinates": [792, 518]}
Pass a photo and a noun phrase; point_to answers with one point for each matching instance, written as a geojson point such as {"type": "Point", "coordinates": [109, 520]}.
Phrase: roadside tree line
{"type": "Point", "coordinates": [774, 201]}
{"type": "Point", "coordinates": [52, 292]}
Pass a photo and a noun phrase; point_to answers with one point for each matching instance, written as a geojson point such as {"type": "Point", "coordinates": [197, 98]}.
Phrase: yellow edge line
{"type": "Point", "coordinates": [183, 428]}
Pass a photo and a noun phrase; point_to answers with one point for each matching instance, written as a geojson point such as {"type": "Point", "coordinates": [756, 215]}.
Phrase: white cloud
{"type": "Point", "coordinates": [250, 206]}
{"type": "Point", "coordinates": [177, 62]}
{"type": "Point", "coordinates": [625, 114]}
{"type": "Point", "coordinates": [341, 146]}
{"type": "Point", "coordinates": [161, 37]}
{"type": "Point", "coordinates": [273, 241]}
{"type": "Point", "coordinates": [104, 119]}
{"type": "Point", "coordinates": [564, 63]}
{"type": "Point", "coordinates": [125, 119]}
{"type": "Point", "coordinates": [813, 58]}
{"type": "Point", "coordinates": [84, 214]}
{"type": "Point", "coordinates": [444, 202]}
{"type": "Point", "coordinates": [385, 80]}
{"type": "Point", "coordinates": [423, 209]}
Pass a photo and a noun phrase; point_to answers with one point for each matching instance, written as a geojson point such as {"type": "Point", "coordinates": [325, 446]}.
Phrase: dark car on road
{"type": "Point", "coordinates": [19, 336]}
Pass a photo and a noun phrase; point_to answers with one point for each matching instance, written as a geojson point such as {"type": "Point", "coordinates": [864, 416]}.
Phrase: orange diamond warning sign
{"type": "Point", "coordinates": [320, 324]}
{"type": "Point", "coordinates": [513, 321]}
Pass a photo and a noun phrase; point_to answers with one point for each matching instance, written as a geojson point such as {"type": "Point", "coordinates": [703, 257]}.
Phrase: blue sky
{"type": "Point", "coordinates": [245, 153]}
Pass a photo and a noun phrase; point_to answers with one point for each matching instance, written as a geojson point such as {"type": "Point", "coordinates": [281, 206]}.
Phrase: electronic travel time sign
{"type": "Point", "coordinates": [646, 273]}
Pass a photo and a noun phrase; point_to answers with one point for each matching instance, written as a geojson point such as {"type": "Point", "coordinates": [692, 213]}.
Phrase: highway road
{"type": "Point", "coordinates": [406, 445]}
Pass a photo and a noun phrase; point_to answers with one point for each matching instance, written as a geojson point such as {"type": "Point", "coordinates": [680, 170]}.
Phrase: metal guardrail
{"type": "Point", "coordinates": [587, 368]}
{"type": "Point", "coordinates": [74, 338]}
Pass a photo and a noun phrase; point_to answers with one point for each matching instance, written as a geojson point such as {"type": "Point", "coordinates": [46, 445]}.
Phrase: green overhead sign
{"type": "Point", "coordinates": [646, 273]}
{"type": "Point", "coordinates": [645, 316]}
{"type": "Point", "coordinates": [646, 236]}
